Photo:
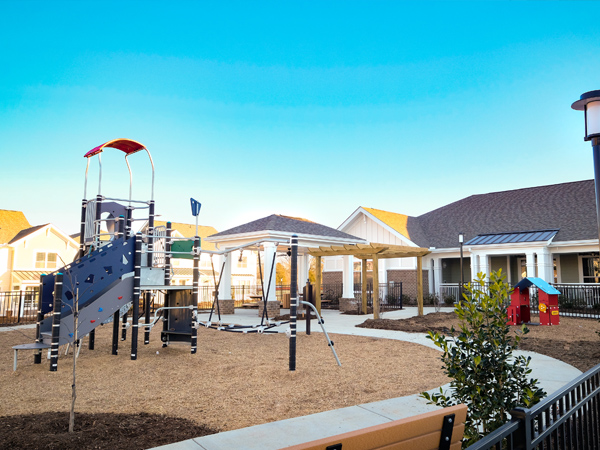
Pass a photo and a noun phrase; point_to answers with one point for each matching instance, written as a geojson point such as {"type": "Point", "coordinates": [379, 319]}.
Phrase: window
{"type": "Point", "coordinates": [45, 260]}
{"type": "Point", "coordinates": [243, 263]}
{"type": "Point", "coordinates": [591, 269]}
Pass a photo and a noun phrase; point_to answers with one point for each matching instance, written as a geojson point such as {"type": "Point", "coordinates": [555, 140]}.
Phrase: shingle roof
{"type": "Point", "coordinates": [26, 232]}
{"type": "Point", "coordinates": [286, 224]}
{"type": "Point", "coordinates": [568, 207]}
{"type": "Point", "coordinates": [11, 222]}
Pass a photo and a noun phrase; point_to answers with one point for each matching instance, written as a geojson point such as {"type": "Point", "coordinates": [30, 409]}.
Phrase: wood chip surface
{"type": "Point", "coordinates": [234, 381]}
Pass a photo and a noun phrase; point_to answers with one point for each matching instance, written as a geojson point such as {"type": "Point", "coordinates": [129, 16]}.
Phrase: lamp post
{"type": "Point", "coordinates": [589, 103]}
{"type": "Point", "coordinates": [461, 240]}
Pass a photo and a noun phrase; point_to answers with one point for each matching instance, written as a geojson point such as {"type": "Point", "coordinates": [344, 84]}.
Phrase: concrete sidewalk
{"type": "Point", "coordinates": [551, 373]}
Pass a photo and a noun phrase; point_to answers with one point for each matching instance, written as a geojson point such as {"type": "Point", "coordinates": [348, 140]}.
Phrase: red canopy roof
{"type": "Point", "coordinates": [125, 145]}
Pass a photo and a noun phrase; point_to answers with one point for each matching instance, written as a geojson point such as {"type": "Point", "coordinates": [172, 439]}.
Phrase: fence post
{"type": "Point", "coordinates": [523, 434]}
{"type": "Point", "coordinates": [20, 305]}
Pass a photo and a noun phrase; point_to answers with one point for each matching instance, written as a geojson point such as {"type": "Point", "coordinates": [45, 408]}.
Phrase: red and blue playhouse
{"type": "Point", "coordinates": [519, 310]}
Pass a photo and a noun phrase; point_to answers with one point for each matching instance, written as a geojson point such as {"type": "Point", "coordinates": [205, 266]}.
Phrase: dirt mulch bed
{"type": "Point", "coordinates": [234, 381]}
{"type": "Point", "coordinates": [574, 341]}
{"type": "Point", "coordinates": [49, 430]}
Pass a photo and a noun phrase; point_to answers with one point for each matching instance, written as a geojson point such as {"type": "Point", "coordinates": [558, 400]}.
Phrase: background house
{"type": "Point", "coordinates": [545, 231]}
{"type": "Point", "coordinates": [26, 252]}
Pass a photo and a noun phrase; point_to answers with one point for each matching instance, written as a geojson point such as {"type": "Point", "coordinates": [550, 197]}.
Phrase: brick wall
{"type": "Point", "coordinates": [408, 278]}
{"type": "Point", "coordinates": [227, 306]}
{"type": "Point", "coordinates": [273, 309]}
{"type": "Point", "coordinates": [332, 277]}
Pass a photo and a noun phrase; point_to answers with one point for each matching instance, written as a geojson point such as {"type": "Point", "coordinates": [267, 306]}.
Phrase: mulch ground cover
{"type": "Point", "coordinates": [235, 380]}
{"type": "Point", "coordinates": [49, 430]}
{"type": "Point", "coordinates": [575, 341]}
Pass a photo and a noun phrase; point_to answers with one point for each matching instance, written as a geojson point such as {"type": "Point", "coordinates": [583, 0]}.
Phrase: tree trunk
{"type": "Point", "coordinates": [75, 351]}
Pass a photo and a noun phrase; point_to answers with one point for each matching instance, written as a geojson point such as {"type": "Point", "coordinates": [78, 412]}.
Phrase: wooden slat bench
{"type": "Point", "coordinates": [442, 429]}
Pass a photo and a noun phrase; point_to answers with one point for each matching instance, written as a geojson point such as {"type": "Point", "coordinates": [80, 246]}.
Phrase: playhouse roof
{"type": "Point", "coordinates": [539, 283]}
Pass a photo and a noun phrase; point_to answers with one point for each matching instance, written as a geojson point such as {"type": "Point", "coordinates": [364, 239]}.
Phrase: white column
{"type": "Point", "coordinates": [270, 249]}
{"type": "Point", "coordinates": [303, 268]}
{"type": "Point", "coordinates": [348, 277]}
{"type": "Point", "coordinates": [530, 262]}
{"type": "Point", "coordinates": [383, 268]}
{"type": "Point", "coordinates": [437, 274]}
{"type": "Point", "coordinates": [225, 286]}
{"type": "Point", "coordinates": [430, 277]}
{"type": "Point", "coordinates": [474, 265]}
{"type": "Point", "coordinates": [545, 265]}
{"type": "Point", "coordinates": [484, 265]}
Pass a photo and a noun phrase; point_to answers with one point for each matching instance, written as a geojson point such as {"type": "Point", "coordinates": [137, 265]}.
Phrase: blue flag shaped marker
{"type": "Point", "coordinates": [196, 205]}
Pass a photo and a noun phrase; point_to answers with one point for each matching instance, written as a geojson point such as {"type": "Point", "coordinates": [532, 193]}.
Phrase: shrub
{"type": "Point", "coordinates": [430, 299]}
{"type": "Point", "coordinates": [406, 300]}
{"type": "Point", "coordinates": [392, 300]}
{"type": "Point", "coordinates": [449, 300]}
{"type": "Point", "coordinates": [485, 375]}
{"type": "Point", "coordinates": [563, 302]}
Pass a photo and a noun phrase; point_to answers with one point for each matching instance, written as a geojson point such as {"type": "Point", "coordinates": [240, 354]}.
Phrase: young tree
{"type": "Point", "coordinates": [479, 359]}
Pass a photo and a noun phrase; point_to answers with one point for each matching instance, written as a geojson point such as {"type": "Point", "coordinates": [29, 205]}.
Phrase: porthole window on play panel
{"type": "Point", "coordinates": [45, 260]}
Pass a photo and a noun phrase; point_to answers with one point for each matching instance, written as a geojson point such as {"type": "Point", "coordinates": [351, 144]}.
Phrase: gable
{"type": "Point", "coordinates": [396, 221]}
{"type": "Point", "coordinates": [11, 223]}
{"type": "Point", "coordinates": [372, 229]}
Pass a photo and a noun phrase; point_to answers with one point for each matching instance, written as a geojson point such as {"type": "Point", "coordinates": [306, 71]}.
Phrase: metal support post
{"type": "Point", "coordinates": [37, 357]}
{"type": "Point", "coordinates": [168, 244]}
{"type": "Point", "coordinates": [596, 152]}
{"type": "Point", "coordinates": [196, 280]}
{"type": "Point", "coordinates": [136, 294]}
{"type": "Point", "coordinates": [56, 313]}
{"type": "Point", "coordinates": [293, 301]}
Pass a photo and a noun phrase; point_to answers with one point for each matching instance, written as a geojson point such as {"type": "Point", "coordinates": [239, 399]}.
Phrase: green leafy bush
{"type": "Point", "coordinates": [478, 358]}
{"type": "Point", "coordinates": [406, 300]}
{"type": "Point", "coordinates": [430, 299]}
{"type": "Point", "coordinates": [449, 300]}
{"type": "Point", "coordinates": [392, 300]}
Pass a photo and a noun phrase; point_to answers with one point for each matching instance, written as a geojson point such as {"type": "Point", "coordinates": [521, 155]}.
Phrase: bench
{"type": "Point", "coordinates": [33, 346]}
{"type": "Point", "coordinates": [442, 429]}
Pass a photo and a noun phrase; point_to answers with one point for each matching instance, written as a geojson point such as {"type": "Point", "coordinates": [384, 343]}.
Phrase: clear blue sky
{"type": "Point", "coordinates": [302, 108]}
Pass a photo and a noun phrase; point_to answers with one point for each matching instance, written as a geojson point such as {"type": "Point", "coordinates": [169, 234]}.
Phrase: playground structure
{"type": "Point", "coordinates": [519, 310]}
{"type": "Point", "coordinates": [116, 268]}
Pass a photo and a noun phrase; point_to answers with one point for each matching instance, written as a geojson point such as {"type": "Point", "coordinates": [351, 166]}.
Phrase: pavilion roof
{"type": "Point", "coordinates": [367, 251]}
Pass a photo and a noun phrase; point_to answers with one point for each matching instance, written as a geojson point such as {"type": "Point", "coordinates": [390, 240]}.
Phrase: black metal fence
{"type": "Point", "coordinates": [390, 295]}
{"type": "Point", "coordinates": [568, 419]}
{"type": "Point", "coordinates": [575, 299]}
{"type": "Point", "coordinates": [18, 307]}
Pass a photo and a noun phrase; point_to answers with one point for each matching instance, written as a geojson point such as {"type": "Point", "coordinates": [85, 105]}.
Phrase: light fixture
{"type": "Point", "coordinates": [589, 103]}
{"type": "Point", "coordinates": [461, 238]}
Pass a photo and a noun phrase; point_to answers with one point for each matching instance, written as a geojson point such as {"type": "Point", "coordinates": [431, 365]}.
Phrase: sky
{"type": "Point", "coordinates": [308, 109]}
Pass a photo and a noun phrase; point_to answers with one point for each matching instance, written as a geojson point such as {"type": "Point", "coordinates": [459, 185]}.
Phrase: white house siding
{"type": "Point", "coordinates": [363, 226]}
{"type": "Point", "coordinates": [5, 260]}
{"type": "Point", "coordinates": [372, 232]}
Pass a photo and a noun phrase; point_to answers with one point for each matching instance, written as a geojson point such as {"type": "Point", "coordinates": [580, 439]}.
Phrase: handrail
{"type": "Point", "coordinates": [321, 321]}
